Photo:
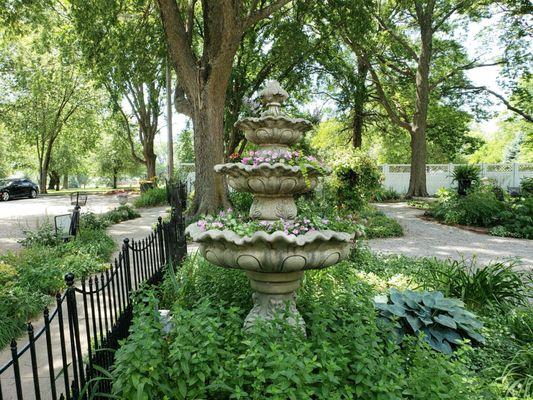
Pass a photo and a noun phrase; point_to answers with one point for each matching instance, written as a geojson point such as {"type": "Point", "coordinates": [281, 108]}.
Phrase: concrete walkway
{"type": "Point", "coordinates": [430, 239]}
{"type": "Point", "coordinates": [136, 229]}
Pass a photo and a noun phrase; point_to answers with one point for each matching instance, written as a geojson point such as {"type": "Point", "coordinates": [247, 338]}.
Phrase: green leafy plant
{"type": "Point", "coordinates": [466, 173]}
{"type": "Point", "coordinates": [378, 225]}
{"type": "Point", "coordinates": [151, 197]}
{"type": "Point", "coordinates": [241, 201]}
{"type": "Point", "coordinates": [230, 220]}
{"type": "Point", "coordinates": [346, 354]}
{"type": "Point", "coordinates": [526, 186]}
{"type": "Point", "coordinates": [44, 235]}
{"type": "Point", "coordinates": [386, 194]}
{"type": "Point", "coordinates": [355, 179]}
{"type": "Point", "coordinates": [444, 322]}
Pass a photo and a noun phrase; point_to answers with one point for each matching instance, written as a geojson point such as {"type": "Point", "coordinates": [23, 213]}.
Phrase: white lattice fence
{"type": "Point", "coordinates": [437, 175]}
{"type": "Point", "coordinates": [440, 175]}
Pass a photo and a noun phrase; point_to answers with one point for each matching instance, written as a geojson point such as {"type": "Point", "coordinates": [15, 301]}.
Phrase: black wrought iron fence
{"type": "Point", "coordinates": [67, 355]}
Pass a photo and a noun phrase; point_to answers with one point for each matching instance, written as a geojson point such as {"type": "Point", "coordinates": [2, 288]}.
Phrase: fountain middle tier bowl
{"type": "Point", "coordinates": [270, 179]}
{"type": "Point", "coordinates": [273, 130]}
{"type": "Point", "coordinates": [274, 252]}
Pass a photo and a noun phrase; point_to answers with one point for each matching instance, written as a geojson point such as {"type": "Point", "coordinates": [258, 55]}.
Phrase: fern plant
{"type": "Point", "coordinates": [444, 322]}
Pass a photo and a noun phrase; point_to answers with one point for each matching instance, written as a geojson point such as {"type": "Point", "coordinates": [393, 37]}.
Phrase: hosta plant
{"type": "Point", "coordinates": [444, 322]}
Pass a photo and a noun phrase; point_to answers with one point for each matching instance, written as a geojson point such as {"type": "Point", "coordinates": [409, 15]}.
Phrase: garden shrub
{"type": "Point", "coordinates": [355, 179]}
{"type": "Point", "coordinates": [378, 225]}
{"type": "Point", "coordinates": [93, 221]}
{"type": "Point", "coordinates": [241, 201]}
{"type": "Point", "coordinates": [385, 194]}
{"type": "Point", "coordinates": [44, 235]}
{"type": "Point", "coordinates": [526, 186]}
{"type": "Point", "coordinates": [151, 198]}
{"type": "Point", "coordinates": [346, 353]}
{"type": "Point", "coordinates": [480, 207]}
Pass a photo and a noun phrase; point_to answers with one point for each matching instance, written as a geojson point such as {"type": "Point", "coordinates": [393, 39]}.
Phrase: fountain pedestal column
{"type": "Point", "coordinates": [274, 294]}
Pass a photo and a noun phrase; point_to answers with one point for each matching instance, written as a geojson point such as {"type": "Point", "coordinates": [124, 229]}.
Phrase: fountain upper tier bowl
{"type": "Point", "coordinates": [273, 130]}
{"type": "Point", "coordinates": [274, 252]}
{"type": "Point", "coordinates": [271, 179]}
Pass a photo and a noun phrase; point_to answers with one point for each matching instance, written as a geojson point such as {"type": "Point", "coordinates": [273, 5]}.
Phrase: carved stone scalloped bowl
{"type": "Point", "coordinates": [269, 179]}
{"type": "Point", "coordinates": [275, 252]}
{"type": "Point", "coordinates": [274, 130]}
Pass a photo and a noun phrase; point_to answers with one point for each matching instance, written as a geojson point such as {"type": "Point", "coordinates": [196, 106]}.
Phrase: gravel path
{"type": "Point", "coordinates": [430, 239]}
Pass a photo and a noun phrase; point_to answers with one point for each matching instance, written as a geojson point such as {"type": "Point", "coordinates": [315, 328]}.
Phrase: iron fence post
{"type": "Point", "coordinates": [160, 240]}
{"type": "Point", "coordinates": [126, 253]}
{"type": "Point", "coordinates": [77, 356]}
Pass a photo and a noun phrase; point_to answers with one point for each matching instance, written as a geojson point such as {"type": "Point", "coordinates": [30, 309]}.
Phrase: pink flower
{"type": "Point", "coordinates": [296, 231]}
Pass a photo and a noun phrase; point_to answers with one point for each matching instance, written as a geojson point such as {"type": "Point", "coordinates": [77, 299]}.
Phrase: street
{"type": "Point", "coordinates": [19, 215]}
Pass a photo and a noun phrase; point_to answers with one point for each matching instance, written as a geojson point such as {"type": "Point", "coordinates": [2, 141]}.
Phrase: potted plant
{"type": "Point", "coordinates": [465, 176]}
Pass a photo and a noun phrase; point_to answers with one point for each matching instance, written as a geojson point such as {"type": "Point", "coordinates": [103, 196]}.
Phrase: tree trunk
{"type": "Point", "coordinates": [54, 180]}
{"type": "Point", "coordinates": [417, 178]}
{"type": "Point", "coordinates": [208, 120]}
{"type": "Point", "coordinates": [65, 181]}
{"type": "Point", "coordinates": [150, 157]}
{"type": "Point", "coordinates": [115, 178]}
{"type": "Point", "coordinates": [43, 178]}
{"type": "Point", "coordinates": [361, 95]}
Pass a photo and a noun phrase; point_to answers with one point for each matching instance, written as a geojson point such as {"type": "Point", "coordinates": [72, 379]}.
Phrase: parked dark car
{"type": "Point", "coordinates": [16, 188]}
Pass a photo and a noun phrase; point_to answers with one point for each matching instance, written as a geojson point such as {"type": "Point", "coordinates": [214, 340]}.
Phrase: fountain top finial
{"type": "Point", "coordinates": [271, 97]}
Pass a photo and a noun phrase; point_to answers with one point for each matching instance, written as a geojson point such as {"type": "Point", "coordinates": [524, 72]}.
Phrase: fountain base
{"type": "Point", "coordinates": [274, 295]}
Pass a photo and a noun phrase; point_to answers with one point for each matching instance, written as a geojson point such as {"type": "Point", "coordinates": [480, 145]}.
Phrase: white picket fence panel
{"type": "Point", "coordinates": [396, 176]}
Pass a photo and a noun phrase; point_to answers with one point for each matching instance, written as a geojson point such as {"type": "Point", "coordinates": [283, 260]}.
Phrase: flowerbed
{"type": "Point", "coordinates": [349, 351]}
{"type": "Point", "coordinates": [230, 220]}
{"type": "Point", "coordinates": [482, 206]}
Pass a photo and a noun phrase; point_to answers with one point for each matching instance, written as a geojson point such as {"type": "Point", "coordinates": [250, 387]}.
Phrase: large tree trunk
{"type": "Point", "coordinates": [417, 178]}
{"type": "Point", "coordinates": [43, 179]}
{"type": "Point", "coordinates": [65, 181]}
{"type": "Point", "coordinates": [208, 120]}
{"type": "Point", "coordinates": [150, 157]}
{"type": "Point", "coordinates": [361, 95]}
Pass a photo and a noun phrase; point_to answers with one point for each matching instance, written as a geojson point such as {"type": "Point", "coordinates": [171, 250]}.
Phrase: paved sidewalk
{"type": "Point", "coordinates": [136, 229]}
{"type": "Point", "coordinates": [430, 239]}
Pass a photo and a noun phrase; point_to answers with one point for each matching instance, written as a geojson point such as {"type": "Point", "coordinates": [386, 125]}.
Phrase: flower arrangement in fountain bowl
{"type": "Point", "coordinates": [273, 245]}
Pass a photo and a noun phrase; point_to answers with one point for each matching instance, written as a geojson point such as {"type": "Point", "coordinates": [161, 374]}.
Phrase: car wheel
{"type": "Point", "coordinates": [33, 194]}
{"type": "Point", "coordinates": [5, 196]}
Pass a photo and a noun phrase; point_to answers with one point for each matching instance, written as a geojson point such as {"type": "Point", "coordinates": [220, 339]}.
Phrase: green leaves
{"type": "Point", "coordinates": [443, 322]}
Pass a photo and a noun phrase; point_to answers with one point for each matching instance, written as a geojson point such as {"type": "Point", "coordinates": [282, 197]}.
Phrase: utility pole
{"type": "Point", "coordinates": [170, 142]}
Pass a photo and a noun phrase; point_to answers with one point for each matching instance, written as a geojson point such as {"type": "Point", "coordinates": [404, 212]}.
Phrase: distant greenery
{"type": "Point", "coordinates": [151, 198]}
{"type": "Point", "coordinates": [482, 207]}
{"type": "Point", "coordinates": [348, 351]}
{"type": "Point", "coordinates": [378, 225]}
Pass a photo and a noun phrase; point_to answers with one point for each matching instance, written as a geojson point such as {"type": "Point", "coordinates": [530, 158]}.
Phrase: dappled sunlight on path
{"type": "Point", "coordinates": [430, 239]}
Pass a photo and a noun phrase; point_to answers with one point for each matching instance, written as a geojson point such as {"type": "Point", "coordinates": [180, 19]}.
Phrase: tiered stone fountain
{"type": "Point", "coordinates": [274, 262]}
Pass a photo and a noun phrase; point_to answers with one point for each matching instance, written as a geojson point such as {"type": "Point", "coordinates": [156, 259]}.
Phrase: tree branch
{"type": "Point", "coordinates": [509, 106]}
{"type": "Point", "coordinates": [257, 15]}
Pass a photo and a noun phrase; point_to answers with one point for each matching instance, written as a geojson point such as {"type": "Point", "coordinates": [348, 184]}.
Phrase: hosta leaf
{"type": "Point", "coordinates": [445, 320]}
{"type": "Point", "coordinates": [442, 346]}
{"type": "Point", "coordinates": [381, 298]}
{"type": "Point", "coordinates": [414, 322]}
